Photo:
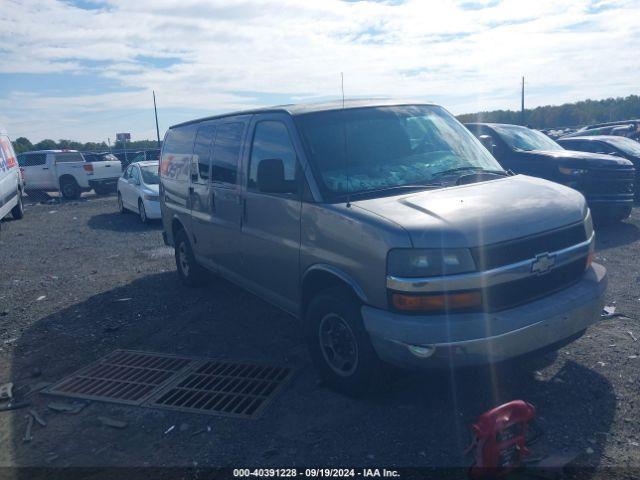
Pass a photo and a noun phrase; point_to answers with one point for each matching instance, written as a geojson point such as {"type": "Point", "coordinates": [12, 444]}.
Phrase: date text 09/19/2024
{"type": "Point", "coordinates": [316, 472]}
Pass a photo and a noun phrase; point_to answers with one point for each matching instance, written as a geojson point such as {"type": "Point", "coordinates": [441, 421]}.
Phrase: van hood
{"type": "Point", "coordinates": [574, 159]}
{"type": "Point", "coordinates": [481, 213]}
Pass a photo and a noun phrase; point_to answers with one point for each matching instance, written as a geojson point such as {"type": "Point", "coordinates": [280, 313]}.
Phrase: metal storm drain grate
{"type": "Point", "coordinates": [176, 383]}
{"type": "Point", "coordinates": [223, 388]}
{"type": "Point", "coordinates": [122, 377]}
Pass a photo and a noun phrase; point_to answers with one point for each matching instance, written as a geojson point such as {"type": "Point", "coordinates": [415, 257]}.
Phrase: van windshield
{"type": "Point", "coordinates": [388, 147]}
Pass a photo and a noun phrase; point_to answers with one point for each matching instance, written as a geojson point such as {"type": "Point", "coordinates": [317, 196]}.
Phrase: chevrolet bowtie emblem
{"type": "Point", "coordinates": [543, 263]}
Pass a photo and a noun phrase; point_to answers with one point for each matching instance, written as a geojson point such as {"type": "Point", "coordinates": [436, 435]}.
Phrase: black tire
{"type": "Point", "coordinates": [142, 212]}
{"type": "Point", "coordinates": [70, 188]}
{"type": "Point", "coordinates": [121, 208]}
{"type": "Point", "coordinates": [190, 272]}
{"type": "Point", "coordinates": [610, 215]}
{"type": "Point", "coordinates": [349, 364]}
{"type": "Point", "coordinates": [17, 212]}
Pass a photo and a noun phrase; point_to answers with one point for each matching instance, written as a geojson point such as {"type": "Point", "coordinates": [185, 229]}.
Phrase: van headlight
{"type": "Point", "coordinates": [410, 262]}
{"type": "Point", "coordinates": [572, 172]}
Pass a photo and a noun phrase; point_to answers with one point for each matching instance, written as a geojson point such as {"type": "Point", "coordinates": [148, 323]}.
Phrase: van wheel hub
{"type": "Point", "coordinates": [338, 345]}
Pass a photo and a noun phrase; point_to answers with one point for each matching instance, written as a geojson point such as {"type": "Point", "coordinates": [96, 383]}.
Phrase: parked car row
{"type": "Point", "coordinates": [622, 128]}
{"type": "Point", "coordinates": [606, 181]}
{"type": "Point", "coordinates": [388, 230]}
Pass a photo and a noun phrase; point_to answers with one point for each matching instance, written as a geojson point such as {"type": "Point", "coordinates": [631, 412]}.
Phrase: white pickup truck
{"type": "Point", "coordinates": [68, 172]}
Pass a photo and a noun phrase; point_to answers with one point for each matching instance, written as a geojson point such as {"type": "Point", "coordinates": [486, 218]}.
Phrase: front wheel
{"type": "Point", "coordinates": [121, 208]}
{"type": "Point", "coordinates": [70, 188]}
{"type": "Point", "coordinates": [17, 212]}
{"type": "Point", "coordinates": [190, 272]}
{"type": "Point", "coordinates": [339, 344]}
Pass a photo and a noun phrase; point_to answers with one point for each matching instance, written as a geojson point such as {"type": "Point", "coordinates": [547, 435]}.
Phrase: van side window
{"type": "Point", "coordinates": [177, 151]}
{"type": "Point", "coordinates": [226, 153]}
{"type": "Point", "coordinates": [32, 159]}
{"type": "Point", "coordinates": [69, 157]}
{"type": "Point", "coordinates": [202, 151]}
{"type": "Point", "coordinates": [271, 140]}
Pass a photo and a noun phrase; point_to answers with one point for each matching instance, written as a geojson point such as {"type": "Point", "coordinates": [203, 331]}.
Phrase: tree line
{"type": "Point", "coordinates": [567, 115]}
{"type": "Point", "coordinates": [23, 144]}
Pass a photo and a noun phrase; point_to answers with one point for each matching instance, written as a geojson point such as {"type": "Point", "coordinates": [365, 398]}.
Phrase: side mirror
{"type": "Point", "coordinates": [487, 141]}
{"type": "Point", "coordinates": [271, 177]}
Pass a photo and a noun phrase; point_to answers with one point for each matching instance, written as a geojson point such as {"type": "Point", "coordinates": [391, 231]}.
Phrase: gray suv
{"type": "Point", "coordinates": [387, 229]}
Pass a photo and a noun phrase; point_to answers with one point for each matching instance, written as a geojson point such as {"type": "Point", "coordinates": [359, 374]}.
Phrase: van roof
{"type": "Point", "coordinates": [303, 108]}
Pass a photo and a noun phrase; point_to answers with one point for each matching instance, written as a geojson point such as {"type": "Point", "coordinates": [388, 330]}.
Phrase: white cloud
{"type": "Point", "coordinates": [468, 55]}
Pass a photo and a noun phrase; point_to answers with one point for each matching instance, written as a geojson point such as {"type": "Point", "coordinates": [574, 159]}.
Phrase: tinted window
{"type": "Point", "coordinates": [271, 140]}
{"type": "Point", "coordinates": [69, 157]}
{"type": "Point", "coordinates": [177, 152]}
{"type": "Point", "coordinates": [202, 151]}
{"type": "Point", "coordinates": [127, 173]}
{"type": "Point", "coordinates": [32, 159]}
{"type": "Point", "coordinates": [226, 153]}
{"type": "Point", "coordinates": [135, 174]}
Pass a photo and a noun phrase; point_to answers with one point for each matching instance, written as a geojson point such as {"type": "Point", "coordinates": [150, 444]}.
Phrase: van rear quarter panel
{"type": "Point", "coordinates": [352, 241]}
{"type": "Point", "coordinates": [175, 165]}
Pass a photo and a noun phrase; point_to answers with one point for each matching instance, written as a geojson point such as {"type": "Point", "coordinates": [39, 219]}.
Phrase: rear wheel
{"type": "Point", "coordinates": [339, 344]}
{"type": "Point", "coordinates": [70, 188]}
{"type": "Point", "coordinates": [142, 212]}
{"type": "Point", "coordinates": [17, 212]}
{"type": "Point", "coordinates": [190, 272]}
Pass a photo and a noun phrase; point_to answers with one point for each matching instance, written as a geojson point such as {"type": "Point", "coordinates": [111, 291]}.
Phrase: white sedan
{"type": "Point", "coordinates": [138, 190]}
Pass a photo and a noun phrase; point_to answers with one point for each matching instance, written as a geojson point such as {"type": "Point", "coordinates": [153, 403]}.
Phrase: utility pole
{"type": "Point", "coordinates": [156, 112]}
{"type": "Point", "coordinates": [522, 104]}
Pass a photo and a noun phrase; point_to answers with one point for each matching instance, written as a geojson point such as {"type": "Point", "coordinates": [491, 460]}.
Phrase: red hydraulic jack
{"type": "Point", "coordinates": [499, 444]}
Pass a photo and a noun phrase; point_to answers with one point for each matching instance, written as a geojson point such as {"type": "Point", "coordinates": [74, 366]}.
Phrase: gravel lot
{"type": "Point", "coordinates": [64, 267]}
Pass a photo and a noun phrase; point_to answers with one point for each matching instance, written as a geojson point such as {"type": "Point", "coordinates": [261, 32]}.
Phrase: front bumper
{"type": "Point", "coordinates": [479, 338]}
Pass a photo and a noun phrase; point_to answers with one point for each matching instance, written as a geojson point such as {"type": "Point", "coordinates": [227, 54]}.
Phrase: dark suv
{"type": "Point", "coordinates": [606, 181]}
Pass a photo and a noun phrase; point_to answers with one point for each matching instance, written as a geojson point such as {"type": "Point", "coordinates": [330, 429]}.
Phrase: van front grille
{"type": "Point", "coordinates": [511, 294]}
{"type": "Point", "coordinates": [512, 251]}
{"type": "Point", "coordinates": [609, 182]}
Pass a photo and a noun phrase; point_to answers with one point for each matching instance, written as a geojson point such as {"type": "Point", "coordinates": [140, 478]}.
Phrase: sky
{"type": "Point", "coordinates": [85, 69]}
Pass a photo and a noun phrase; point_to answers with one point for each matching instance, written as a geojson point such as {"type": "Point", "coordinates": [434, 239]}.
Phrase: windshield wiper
{"type": "Point", "coordinates": [417, 186]}
{"type": "Point", "coordinates": [475, 169]}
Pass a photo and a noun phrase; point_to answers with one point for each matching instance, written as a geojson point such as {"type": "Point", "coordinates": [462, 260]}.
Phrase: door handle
{"type": "Point", "coordinates": [45, 168]}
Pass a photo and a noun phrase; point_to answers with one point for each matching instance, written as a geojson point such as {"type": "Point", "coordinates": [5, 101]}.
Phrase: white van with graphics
{"type": "Point", "coordinates": [11, 185]}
